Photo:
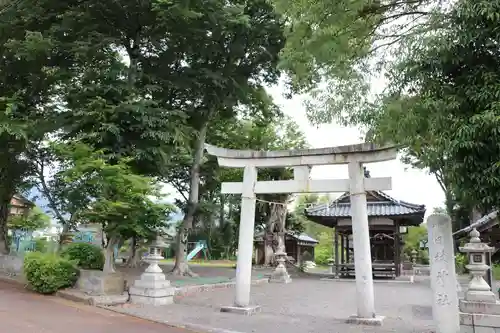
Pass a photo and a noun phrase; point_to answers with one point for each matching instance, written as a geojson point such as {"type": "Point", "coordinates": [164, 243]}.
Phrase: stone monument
{"type": "Point", "coordinates": [152, 288]}
{"type": "Point", "coordinates": [301, 161]}
{"type": "Point", "coordinates": [479, 310]}
{"type": "Point", "coordinates": [443, 276]}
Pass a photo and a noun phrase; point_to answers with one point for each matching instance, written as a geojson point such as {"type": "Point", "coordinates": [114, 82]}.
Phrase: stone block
{"type": "Point", "coordinates": [480, 320]}
{"type": "Point", "coordinates": [152, 284]}
{"type": "Point", "coordinates": [11, 265]}
{"type": "Point", "coordinates": [480, 329]}
{"type": "Point", "coordinates": [247, 311]}
{"type": "Point", "coordinates": [156, 301]}
{"type": "Point", "coordinates": [479, 307]}
{"type": "Point", "coordinates": [151, 292]}
{"type": "Point", "coordinates": [279, 278]}
{"type": "Point", "coordinates": [466, 329]}
{"type": "Point", "coordinates": [479, 323]}
{"type": "Point", "coordinates": [376, 321]}
{"type": "Point", "coordinates": [96, 282]}
{"type": "Point", "coordinates": [152, 277]}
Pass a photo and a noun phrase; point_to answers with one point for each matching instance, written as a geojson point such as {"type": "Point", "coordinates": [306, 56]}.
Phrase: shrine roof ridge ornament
{"type": "Point", "coordinates": [363, 152]}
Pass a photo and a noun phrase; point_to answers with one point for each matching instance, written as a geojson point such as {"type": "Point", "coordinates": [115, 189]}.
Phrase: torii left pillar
{"type": "Point", "coordinates": [245, 246]}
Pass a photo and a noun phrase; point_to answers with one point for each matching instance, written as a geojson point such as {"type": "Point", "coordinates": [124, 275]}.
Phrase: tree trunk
{"type": "Point", "coordinates": [181, 266]}
{"type": "Point", "coordinates": [4, 214]}
{"type": "Point", "coordinates": [268, 249]}
{"type": "Point", "coordinates": [275, 235]}
{"type": "Point", "coordinates": [109, 256]}
{"type": "Point", "coordinates": [133, 260]}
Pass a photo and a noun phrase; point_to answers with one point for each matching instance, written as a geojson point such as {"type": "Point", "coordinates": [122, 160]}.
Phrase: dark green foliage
{"type": "Point", "coordinates": [86, 256]}
{"type": "Point", "coordinates": [47, 273]}
{"type": "Point", "coordinates": [323, 250]}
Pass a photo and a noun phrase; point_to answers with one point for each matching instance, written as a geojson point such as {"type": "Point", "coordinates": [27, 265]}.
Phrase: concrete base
{"type": "Point", "coordinates": [95, 282]}
{"type": "Point", "coordinates": [486, 296]}
{"type": "Point", "coordinates": [155, 301]}
{"type": "Point", "coordinates": [479, 323]}
{"type": "Point", "coordinates": [280, 277]}
{"type": "Point", "coordinates": [249, 310]}
{"type": "Point", "coordinates": [99, 300]}
{"type": "Point", "coordinates": [376, 321]}
{"type": "Point", "coordinates": [479, 307]}
{"type": "Point", "coordinates": [11, 265]}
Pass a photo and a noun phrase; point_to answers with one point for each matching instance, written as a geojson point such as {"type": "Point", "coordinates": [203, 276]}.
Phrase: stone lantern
{"type": "Point", "coordinates": [333, 267]}
{"type": "Point", "coordinates": [155, 250]}
{"type": "Point", "coordinates": [414, 254]}
{"type": "Point", "coordinates": [153, 287]}
{"type": "Point", "coordinates": [280, 274]}
{"type": "Point", "coordinates": [479, 290]}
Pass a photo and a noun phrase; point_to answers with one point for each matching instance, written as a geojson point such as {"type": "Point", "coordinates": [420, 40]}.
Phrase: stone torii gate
{"type": "Point", "coordinates": [301, 161]}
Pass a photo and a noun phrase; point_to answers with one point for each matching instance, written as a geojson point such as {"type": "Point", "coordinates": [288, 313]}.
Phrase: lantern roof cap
{"type": "Point", "coordinates": [475, 244]}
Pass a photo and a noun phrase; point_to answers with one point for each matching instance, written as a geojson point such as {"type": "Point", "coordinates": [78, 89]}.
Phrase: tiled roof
{"type": "Point", "coordinates": [300, 237]}
{"type": "Point", "coordinates": [387, 206]}
{"type": "Point", "coordinates": [304, 238]}
{"type": "Point", "coordinates": [485, 222]}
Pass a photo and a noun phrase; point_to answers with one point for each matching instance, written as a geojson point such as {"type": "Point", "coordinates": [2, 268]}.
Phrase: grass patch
{"type": "Point", "coordinates": [496, 271]}
{"type": "Point", "coordinates": [210, 263]}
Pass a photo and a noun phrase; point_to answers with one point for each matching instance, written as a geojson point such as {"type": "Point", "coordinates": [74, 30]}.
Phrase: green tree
{"type": "Point", "coordinates": [304, 201]}
{"type": "Point", "coordinates": [27, 80]}
{"type": "Point", "coordinates": [119, 199]}
{"type": "Point", "coordinates": [250, 35]}
{"type": "Point", "coordinates": [34, 220]}
{"type": "Point", "coordinates": [217, 218]}
{"type": "Point", "coordinates": [412, 242]}
{"type": "Point", "coordinates": [334, 50]}
{"type": "Point", "coordinates": [443, 99]}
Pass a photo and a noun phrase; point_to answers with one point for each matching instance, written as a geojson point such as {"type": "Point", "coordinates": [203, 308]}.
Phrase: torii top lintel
{"type": "Point", "coordinates": [363, 153]}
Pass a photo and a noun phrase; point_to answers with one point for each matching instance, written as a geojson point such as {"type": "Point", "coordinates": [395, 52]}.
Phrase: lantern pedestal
{"type": "Point", "coordinates": [152, 288]}
{"type": "Point", "coordinates": [480, 310]}
{"type": "Point", "coordinates": [280, 274]}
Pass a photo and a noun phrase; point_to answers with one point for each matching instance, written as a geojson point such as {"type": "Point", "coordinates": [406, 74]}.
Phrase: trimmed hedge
{"type": "Point", "coordinates": [87, 256]}
{"type": "Point", "coordinates": [47, 273]}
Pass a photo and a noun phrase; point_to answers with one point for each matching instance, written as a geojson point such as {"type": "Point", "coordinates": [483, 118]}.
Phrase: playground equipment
{"type": "Point", "coordinates": [199, 246]}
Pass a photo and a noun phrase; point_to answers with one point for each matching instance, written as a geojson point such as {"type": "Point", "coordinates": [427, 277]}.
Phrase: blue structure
{"type": "Point", "coordinates": [200, 246]}
{"type": "Point", "coordinates": [84, 237]}
{"type": "Point", "coordinates": [22, 241]}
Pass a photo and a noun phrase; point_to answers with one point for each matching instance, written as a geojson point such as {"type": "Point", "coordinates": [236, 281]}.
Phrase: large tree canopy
{"type": "Point", "coordinates": [335, 49]}
{"type": "Point", "coordinates": [443, 102]}
{"type": "Point", "coordinates": [439, 63]}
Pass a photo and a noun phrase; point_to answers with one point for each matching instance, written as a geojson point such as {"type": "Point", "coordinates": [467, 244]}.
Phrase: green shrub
{"type": "Point", "coordinates": [47, 273]}
{"type": "Point", "coordinates": [87, 256]}
{"type": "Point", "coordinates": [460, 263]}
{"type": "Point", "coordinates": [41, 245]}
{"type": "Point", "coordinates": [323, 250]}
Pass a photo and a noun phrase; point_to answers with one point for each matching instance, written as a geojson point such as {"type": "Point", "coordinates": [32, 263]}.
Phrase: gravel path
{"type": "Point", "coordinates": [305, 305]}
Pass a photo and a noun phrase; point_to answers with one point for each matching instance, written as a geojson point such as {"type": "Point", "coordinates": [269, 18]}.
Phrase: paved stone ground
{"type": "Point", "coordinates": [305, 305]}
{"type": "Point", "coordinates": [24, 312]}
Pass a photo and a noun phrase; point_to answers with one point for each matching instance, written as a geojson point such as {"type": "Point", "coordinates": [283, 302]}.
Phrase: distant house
{"type": "Point", "coordinates": [300, 247]}
{"type": "Point", "coordinates": [19, 205]}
